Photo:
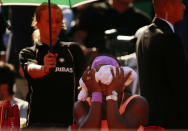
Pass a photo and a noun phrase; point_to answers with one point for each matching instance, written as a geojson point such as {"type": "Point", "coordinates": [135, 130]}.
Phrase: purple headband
{"type": "Point", "coordinates": [104, 60]}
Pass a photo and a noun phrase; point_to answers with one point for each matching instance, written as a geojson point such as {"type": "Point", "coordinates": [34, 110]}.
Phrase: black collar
{"type": "Point", "coordinates": [163, 25]}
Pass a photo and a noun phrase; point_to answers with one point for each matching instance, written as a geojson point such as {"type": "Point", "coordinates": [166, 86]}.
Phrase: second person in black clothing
{"type": "Point", "coordinates": [162, 67]}
{"type": "Point", "coordinates": [52, 92]}
{"type": "Point", "coordinates": [100, 16]}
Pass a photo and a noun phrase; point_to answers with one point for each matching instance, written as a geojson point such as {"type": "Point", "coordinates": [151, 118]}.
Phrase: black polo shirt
{"type": "Point", "coordinates": [51, 100]}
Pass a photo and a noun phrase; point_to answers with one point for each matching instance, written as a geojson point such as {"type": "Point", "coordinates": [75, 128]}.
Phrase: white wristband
{"type": "Point", "coordinates": [114, 96]}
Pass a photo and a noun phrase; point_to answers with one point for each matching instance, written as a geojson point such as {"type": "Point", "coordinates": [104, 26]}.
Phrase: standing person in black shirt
{"type": "Point", "coordinates": [100, 16]}
{"type": "Point", "coordinates": [51, 76]}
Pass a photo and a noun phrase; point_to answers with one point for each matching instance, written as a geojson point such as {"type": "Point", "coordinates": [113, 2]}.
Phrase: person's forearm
{"type": "Point", "coordinates": [93, 119]}
{"type": "Point", "coordinates": [36, 71]}
{"type": "Point", "coordinates": [115, 120]}
{"type": "Point", "coordinates": [118, 121]}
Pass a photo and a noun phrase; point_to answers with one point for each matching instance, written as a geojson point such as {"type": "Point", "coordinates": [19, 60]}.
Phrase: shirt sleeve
{"type": "Point", "coordinates": [27, 56]}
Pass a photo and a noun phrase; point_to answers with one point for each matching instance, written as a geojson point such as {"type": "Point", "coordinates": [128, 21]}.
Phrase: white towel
{"type": "Point", "coordinates": [104, 76]}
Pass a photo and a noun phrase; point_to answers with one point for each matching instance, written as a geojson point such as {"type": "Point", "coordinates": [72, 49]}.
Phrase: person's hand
{"type": "Point", "coordinates": [49, 61]}
{"type": "Point", "coordinates": [90, 82]}
{"type": "Point", "coordinates": [117, 83]}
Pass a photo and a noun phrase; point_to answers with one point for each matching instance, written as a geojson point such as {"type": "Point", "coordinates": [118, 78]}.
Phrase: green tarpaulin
{"type": "Point", "coordinates": [66, 3]}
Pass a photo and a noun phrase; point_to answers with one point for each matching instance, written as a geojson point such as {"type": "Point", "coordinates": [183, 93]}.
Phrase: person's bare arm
{"type": "Point", "coordinates": [93, 118]}
{"type": "Point", "coordinates": [138, 109]}
{"type": "Point", "coordinates": [135, 117]}
{"type": "Point", "coordinates": [38, 71]}
{"type": "Point", "coordinates": [137, 113]}
{"type": "Point", "coordinates": [130, 119]}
